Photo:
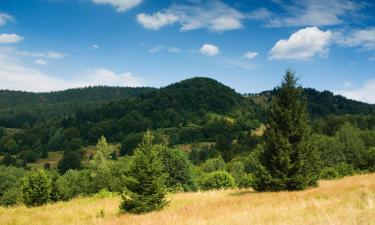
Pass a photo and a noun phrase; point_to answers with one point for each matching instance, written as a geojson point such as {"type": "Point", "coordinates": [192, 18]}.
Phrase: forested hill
{"type": "Point", "coordinates": [321, 104]}
{"type": "Point", "coordinates": [20, 107]}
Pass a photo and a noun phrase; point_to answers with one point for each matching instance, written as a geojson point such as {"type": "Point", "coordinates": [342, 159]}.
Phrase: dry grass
{"type": "Point", "coordinates": [350, 200]}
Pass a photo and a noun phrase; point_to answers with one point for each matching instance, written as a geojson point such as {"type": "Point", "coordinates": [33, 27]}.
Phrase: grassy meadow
{"type": "Point", "coordinates": [350, 200]}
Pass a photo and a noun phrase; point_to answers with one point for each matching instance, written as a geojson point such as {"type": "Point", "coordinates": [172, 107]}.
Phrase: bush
{"type": "Point", "coordinates": [72, 184]}
{"type": "Point", "coordinates": [178, 168]}
{"type": "Point", "coordinates": [70, 160]}
{"type": "Point", "coordinates": [218, 180]}
{"type": "Point", "coordinates": [9, 184]}
{"type": "Point", "coordinates": [329, 173]}
{"type": "Point", "coordinates": [36, 188]}
{"type": "Point", "coordinates": [337, 171]}
{"type": "Point", "coordinates": [212, 165]}
{"type": "Point", "coordinates": [247, 180]}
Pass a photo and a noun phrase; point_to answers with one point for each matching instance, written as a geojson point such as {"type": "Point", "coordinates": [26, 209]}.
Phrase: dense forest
{"type": "Point", "coordinates": [206, 135]}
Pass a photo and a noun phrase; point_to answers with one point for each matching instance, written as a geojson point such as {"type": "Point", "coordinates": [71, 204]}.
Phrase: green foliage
{"type": "Point", "coordinates": [288, 160]}
{"type": "Point", "coordinates": [177, 166]}
{"type": "Point", "coordinates": [246, 180]}
{"type": "Point", "coordinates": [146, 189]}
{"type": "Point", "coordinates": [9, 184]}
{"type": "Point", "coordinates": [353, 146]}
{"type": "Point", "coordinates": [218, 180]}
{"type": "Point", "coordinates": [212, 165]}
{"type": "Point", "coordinates": [36, 188]}
{"type": "Point", "coordinates": [74, 183]}
{"type": "Point", "coordinates": [70, 160]}
{"type": "Point", "coordinates": [337, 171]}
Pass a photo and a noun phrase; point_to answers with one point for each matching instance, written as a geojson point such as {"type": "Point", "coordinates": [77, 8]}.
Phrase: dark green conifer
{"type": "Point", "coordinates": [146, 188]}
{"type": "Point", "coordinates": [289, 161]}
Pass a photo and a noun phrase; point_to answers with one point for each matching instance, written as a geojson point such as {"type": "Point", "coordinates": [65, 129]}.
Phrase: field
{"type": "Point", "coordinates": [350, 200]}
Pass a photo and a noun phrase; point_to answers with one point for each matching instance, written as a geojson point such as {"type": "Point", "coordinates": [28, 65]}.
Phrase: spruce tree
{"type": "Point", "coordinates": [146, 187]}
{"type": "Point", "coordinates": [289, 162]}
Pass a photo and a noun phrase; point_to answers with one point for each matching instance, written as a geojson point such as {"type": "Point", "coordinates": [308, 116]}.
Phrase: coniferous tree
{"type": "Point", "coordinates": [146, 189]}
{"type": "Point", "coordinates": [289, 162]}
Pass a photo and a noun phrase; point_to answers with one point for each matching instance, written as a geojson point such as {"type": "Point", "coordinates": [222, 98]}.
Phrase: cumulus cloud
{"type": "Point", "coordinates": [5, 18]}
{"type": "Point", "coordinates": [119, 5]}
{"type": "Point", "coordinates": [40, 62]}
{"type": "Point", "coordinates": [302, 45]}
{"type": "Point", "coordinates": [157, 20]}
{"type": "Point", "coordinates": [15, 75]}
{"type": "Point", "coordinates": [250, 55]}
{"type": "Point", "coordinates": [310, 13]}
{"type": "Point", "coordinates": [212, 14]}
{"type": "Point", "coordinates": [364, 38]}
{"type": "Point", "coordinates": [364, 93]}
{"type": "Point", "coordinates": [10, 38]}
{"type": "Point", "coordinates": [209, 50]}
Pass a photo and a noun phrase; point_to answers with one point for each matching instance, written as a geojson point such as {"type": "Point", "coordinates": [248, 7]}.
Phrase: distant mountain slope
{"type": "Point", "coordinates": [16, 107]}
{"type": "Point", "coordinates": [321, 104]}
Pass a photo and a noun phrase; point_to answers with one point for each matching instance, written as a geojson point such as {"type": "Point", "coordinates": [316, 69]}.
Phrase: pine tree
{"type": "Point", "coordinates": [289, 161]}
{"type": "Point", "coordinates": [146, 188]}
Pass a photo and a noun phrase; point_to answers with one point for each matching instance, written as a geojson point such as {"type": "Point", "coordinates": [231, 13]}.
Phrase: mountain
{"type": "Point", "coordinates": [321, 103]}
{"type": "Point", "coordinates": [19, 107]}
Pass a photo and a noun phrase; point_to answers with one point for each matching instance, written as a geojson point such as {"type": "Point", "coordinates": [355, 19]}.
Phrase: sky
{"type": "Point", "coordinates": [49, 45]}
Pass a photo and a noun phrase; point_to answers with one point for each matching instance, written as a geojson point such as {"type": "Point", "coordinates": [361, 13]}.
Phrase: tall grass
{"type": "Point", "coordinates": [350, 200]}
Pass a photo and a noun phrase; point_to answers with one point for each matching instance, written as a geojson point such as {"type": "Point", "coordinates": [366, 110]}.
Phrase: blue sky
{"type": "Point", "coordinates": [57, 44]}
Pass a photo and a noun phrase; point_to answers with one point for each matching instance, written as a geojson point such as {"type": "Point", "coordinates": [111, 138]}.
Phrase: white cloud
{"type": "Point", "coordinates": [156, 20]}
{"type": "Point", "coordinates": [366, 93]}
{"type": "Point", "coordinates": [250, 55]}
{"type": "Point", "coordinates": [40, 62]}
{"type": "Point", "coordinates": [5, 18]}
{"type": "Point", "coordinates": [364, 38]}
{"type": "Point", "coordinates": [212, 14]}
{"type": "Point", "coordinates": [209, 50]}
{"type": "Point", "coordinates": [10, 38]}
{"type": "Point", "coordinates": [119, 5]}
{"type": "Point", "coordinates": [15, 75]}
{"type": "Point", "coordinates": [158, 48]}
{"type": "Point", "coordinates": [48, 54]}
{"type": "Point", "coordinates": [310, 13]}
{"type": "Point", "coordinates": [302, 45]}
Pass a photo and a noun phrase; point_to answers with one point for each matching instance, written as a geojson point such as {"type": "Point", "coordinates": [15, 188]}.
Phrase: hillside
{"type": "Point", "coordinates": [322, 103]}
{"type": "Point", "coordinates": [350, 200]}
{"type": "Point", "coordinates": [19, 107]}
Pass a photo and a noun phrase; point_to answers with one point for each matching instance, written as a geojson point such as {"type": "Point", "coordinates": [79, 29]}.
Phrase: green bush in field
{"type": "Point", "coordinates": [36, 188]}
{"type": "Point", "coordinates": [178, 167]}
{"type": "Point", "coordinates": [73, 183]}
{"type": "Point", "coordinates": [329, 173]}
{"type": "Point", "coordinates": [337, 171]}
{"type": "Point", "coordinates": [212, 165]}
{"type": "Point", "coordinates": [218, 180]}
{"type": "Point", "coordinates": [247, 180]}
{"type": "Point", "coordinates": [146, 187]}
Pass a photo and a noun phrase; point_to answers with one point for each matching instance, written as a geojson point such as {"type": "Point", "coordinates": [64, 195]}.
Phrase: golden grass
{"type": "Point", "coordinates": [350, 200]}
{"type": "Point", "coordinates": [52, 159]}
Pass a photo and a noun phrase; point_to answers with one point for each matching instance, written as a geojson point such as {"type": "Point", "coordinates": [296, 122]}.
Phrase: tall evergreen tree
{"type": "Point", "coordinates": [146, 188]}
{"type": "Point", "coordinates": [289, 161]}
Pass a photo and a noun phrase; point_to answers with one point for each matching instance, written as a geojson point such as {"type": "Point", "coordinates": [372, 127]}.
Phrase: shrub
{"type": "Point", "coordinates": [218, 180]}
{"type": "Point", "coordinates": [70, 160]}
{"type": "Point", "coordinates": [36, 188]}
{"type": "Point", "coordinates": [212, 165]}
{"type": "Point", "coordinates": [329, 173]}
{"type": "Point", "coordinates": [247, 180]}
{"type": "Point", "coordinates": [73, 183]}
{"type": "Point", "coordinates": [178, 168]}
{"type": "Point", "coordinates": [9, 184]}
